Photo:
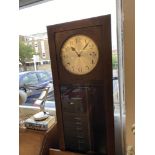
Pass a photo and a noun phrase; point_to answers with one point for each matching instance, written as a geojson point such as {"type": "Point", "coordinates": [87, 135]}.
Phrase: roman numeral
{"type": "Point", "coordinates": [87, 67]}
{"type": "Point", "coordinates": [80, 70]}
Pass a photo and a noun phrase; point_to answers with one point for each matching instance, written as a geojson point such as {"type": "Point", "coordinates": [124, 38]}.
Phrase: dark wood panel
{"type": "Point", "coordinates": [59, 152]}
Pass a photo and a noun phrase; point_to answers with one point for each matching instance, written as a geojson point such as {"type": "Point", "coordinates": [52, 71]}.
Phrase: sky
{"type": "Point", "coordinates": [34, 19]}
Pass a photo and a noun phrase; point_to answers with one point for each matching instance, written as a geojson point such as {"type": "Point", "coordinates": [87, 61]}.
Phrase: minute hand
{"type": "Point", "coordinates": [84, 47]}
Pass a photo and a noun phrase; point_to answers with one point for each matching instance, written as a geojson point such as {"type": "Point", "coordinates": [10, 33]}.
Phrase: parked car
{"type": "Point", "coordinates": [33, 82]}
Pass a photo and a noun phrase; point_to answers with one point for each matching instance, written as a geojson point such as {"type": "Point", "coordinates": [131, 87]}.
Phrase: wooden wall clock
{"type": "Point", "coordinates": [81, 61]}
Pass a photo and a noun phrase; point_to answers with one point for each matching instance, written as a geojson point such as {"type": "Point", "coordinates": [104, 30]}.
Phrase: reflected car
{"type": "Point", "coordinates": [33, 82]}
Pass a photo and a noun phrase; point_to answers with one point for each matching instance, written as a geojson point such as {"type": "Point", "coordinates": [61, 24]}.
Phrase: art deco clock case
{"type": "Point", "coordinates": [81, 62]}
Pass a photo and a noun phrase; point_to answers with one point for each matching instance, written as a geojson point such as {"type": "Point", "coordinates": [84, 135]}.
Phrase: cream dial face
{"type": "Point", "coordinates": [79, 54]}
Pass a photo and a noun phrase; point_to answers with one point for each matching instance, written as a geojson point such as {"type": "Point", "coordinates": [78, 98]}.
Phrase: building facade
{"type": "Point", "coordinates": [41, 58]}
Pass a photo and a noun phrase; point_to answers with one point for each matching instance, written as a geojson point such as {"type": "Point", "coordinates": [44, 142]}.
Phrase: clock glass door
{"type": "Point", "coordinates": [81, 105]}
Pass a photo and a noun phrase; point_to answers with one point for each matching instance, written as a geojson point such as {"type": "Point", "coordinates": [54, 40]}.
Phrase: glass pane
{"type": "Point", "coordinates": [44, 76]}
{"type": "Point", "coordinates": [33, 22]}
{"type": "Point", "coordinates": [30, 79]}
{"type": "Point", "coordinates": [77, 118]}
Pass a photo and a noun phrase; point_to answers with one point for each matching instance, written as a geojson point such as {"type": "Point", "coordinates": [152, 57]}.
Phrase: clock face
{"type": "Point", "coordinates": [79, 54]}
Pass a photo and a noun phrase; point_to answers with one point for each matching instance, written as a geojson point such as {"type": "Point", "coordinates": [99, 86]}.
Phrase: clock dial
{"type": "Point", "coordinates": [79, 54]}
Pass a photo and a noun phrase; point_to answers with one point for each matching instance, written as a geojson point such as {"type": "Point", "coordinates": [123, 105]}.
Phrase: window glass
{"type": "Point", "coordinates": [43, 76]}
{"type": "Point", "coordinates": [35, 56]}
{"type": "Point", "coordinates": [30, 79]}
{"type": "Point", "coordinates": [34, 35]}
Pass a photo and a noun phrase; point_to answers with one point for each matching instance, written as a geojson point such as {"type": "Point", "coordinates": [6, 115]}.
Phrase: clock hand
{"type": "Point", "coordinates": [84, 48]}
{"type": "Point", "coordinates": [73, 49]}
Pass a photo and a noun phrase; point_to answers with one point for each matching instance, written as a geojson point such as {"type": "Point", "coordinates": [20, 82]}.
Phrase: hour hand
{"type": "Point", "coordinates": [73, 49]}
